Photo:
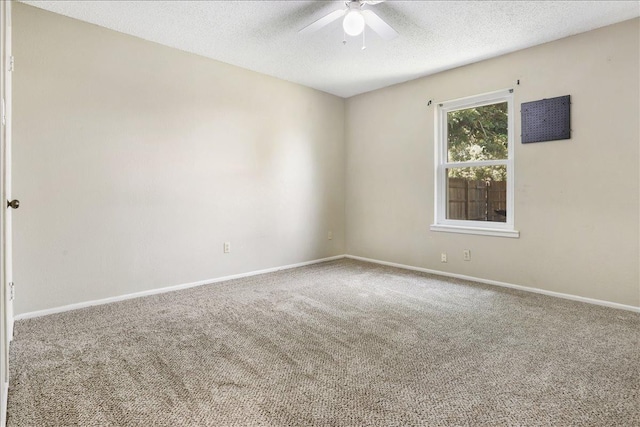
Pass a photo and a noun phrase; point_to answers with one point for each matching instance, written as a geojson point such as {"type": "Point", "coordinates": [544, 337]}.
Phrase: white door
{"type": "Point", "coordinates": [7, 248]}
{"type": "Point", "coordinates": [6, 290]}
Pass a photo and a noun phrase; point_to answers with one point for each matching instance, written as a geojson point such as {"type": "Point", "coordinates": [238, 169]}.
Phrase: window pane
{"type": "Point", "coordinates": [479, 133]}
{"type": "Point", "coordinates": [477, 194]}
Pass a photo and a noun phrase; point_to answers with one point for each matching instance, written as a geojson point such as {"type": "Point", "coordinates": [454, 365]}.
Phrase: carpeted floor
{"type": "Point", "coordinates": [342, 343]}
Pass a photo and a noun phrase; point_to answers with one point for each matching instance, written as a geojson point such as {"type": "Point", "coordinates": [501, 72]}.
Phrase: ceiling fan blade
{"type": "Point", "coordinates": [376, 23]}
{"type": "Point", "coordinates": [372, 2]}
{"type": "Point", "coordinates": [325, 20]}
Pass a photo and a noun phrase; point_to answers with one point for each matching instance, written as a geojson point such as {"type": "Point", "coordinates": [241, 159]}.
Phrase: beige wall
{"type": "Point", "coordinates": [576, 201]}
{"type": "Point", "coordinates": [134, 162]}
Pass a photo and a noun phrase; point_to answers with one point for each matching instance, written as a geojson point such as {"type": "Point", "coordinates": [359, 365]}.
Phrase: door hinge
{"type": "Point", "coordinates": [11, 63]}
{"type": "Point", "coordinates": [12, 291]}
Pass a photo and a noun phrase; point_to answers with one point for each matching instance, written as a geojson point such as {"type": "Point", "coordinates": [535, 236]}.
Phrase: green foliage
{"type": "Point", "coordinates": [476, 134]}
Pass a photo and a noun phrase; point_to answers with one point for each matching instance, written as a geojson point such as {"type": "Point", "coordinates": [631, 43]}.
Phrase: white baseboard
{"type": "Point", "coordinates": [84, 304]}
{"type": "Point", "coordinates": [302, 264]}
{"type": "Point", "coordinates": [502, 284]}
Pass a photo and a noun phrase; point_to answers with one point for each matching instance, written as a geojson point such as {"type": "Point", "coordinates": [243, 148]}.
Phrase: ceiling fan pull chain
{"type": "Point", "coordinates": [363, 31]}
{"type": "Point", "coordinates": [344, 37]}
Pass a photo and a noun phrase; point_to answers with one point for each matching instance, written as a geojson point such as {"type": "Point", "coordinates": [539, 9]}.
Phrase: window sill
{"type": "Point", "coordinates": [514, 234]}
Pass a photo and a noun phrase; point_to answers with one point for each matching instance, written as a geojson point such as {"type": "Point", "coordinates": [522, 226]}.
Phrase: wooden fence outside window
{"type": "Point", "coordinates": [477, 200]}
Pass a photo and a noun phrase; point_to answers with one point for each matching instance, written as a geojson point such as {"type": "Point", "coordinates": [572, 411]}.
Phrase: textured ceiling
{"type": "Point", "coordinates": [263, 35]}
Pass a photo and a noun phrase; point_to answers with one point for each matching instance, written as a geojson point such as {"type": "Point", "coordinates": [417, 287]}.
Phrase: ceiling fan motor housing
{"type": "Point", "coordinates": [355, 20]}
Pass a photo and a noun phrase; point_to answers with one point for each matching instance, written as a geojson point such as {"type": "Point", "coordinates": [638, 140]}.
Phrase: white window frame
{"type": "Point", "coordinates": [487, 228]}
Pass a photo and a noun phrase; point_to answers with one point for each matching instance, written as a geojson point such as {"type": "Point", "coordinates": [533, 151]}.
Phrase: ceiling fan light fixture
{"type": "Point", "coordinates": [353, 23]}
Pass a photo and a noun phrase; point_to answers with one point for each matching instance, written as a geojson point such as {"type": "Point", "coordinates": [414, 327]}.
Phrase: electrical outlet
{"type": "Point", "coordinates": [466, 255]}
{"type": "Point", "coordinates": [330, 235]}
{"type": "Point", "coordinates": [226, 247]}
{"type": "Point", "coordinates": [443, 257]}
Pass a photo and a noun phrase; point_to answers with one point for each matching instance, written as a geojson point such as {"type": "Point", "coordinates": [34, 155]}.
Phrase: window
{"type": "Point", "coordinates": [474, 165]}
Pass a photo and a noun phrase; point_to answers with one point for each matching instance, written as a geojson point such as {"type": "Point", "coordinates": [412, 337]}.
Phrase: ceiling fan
{"type": "Point", "coordinates": [355, 20]}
